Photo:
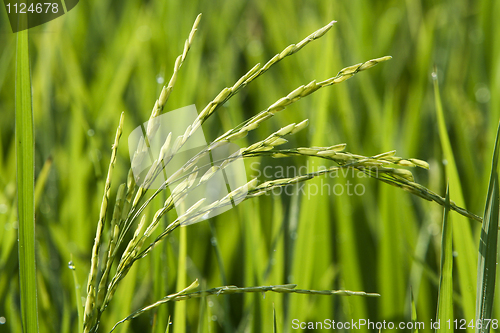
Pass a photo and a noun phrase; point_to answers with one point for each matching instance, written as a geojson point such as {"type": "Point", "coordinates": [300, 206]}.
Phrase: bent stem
{"type": "Point", "coordinates": [228, 290]}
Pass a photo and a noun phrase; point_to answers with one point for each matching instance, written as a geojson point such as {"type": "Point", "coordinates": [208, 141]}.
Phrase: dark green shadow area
{"type": "Point", "coordinates": [70, 4]}
{"type": "Point", "coordinates": [34, 12]}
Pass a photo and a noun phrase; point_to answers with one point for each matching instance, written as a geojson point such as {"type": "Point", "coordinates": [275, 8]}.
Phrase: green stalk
{"type": "Point", "coordinates": [466, 262]}
{"type": "Point", "coordinates": [25, 185]}
{"type": "Point", "coordinates": [414, 317]}
{"type": "Point", "coordinates": [445, 296]}
{"type": "Point", "coordinates": [180, 308]}
{"type": "Point", "coordinates": [488, 248]}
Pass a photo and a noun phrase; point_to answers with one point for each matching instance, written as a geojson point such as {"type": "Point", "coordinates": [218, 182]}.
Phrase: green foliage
{"type": "Point", "coordinates": [25, 153]}
{"type": "Point", "coordinates": [462, 234]}
{"type": "Point", "coordinates": [445, 296]}
{"type": "Point", "coordinates": [488, 247]}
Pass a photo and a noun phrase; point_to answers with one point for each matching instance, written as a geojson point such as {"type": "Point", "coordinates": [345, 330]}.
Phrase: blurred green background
{"type": "Point", "coordinates": [105, 57]}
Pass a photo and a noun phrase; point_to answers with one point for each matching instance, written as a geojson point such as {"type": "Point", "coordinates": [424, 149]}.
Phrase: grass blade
{"type": "Point", "coordinates": [275, 325]}
{"type": "Point", "coordinates": [168, 326]}
{"type": "Point", "coordinates": [180, 307]}
{"type": "Point", "coordinates": [413, 313]}
{"type": "Point", "coordinates": [486, 270]}
{"type": "Point", "coordinates": [462, 233]}
{"type": "Point", "coordinates": [445, 296]}
{"type": "Point", "coordinates": [41, 181]}
{"type": "Point", "coordinates": [78, 298]}
{"type": "Point", "coordinates": [25, 151]}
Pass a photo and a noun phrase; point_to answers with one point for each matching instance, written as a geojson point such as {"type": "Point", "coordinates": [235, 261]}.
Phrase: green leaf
{"type": "Point", "coordinates": [41, 181]}
{"type": "Point", "coordinates": [462, 233]}
{"type": "Point", "coordinates": [78, 297]}
{"type": "Point", "coordinates": [413, 313]}
{"type": "Point", "coordinates": [486, 268]}
{"type": "Point", "coordinates": [275, 325]}
{"type": "Point", "coordinates": [180, 307]}
{"type": "Point", "coordinates": [445, 296]}
{"type": "Point", "coordinates": [168, 325]}
{"type": "Point", "coordinates": [25, 152]}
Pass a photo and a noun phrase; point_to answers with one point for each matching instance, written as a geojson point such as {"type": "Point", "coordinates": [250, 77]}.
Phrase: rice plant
{"type": "Point", "coordinates": [272, 257]}
{"type": "Point", "coordinates": [132, 198]}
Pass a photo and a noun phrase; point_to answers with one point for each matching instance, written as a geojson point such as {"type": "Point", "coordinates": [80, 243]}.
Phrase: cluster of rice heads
{"type": "Point", "coordinates": [131, 198]}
